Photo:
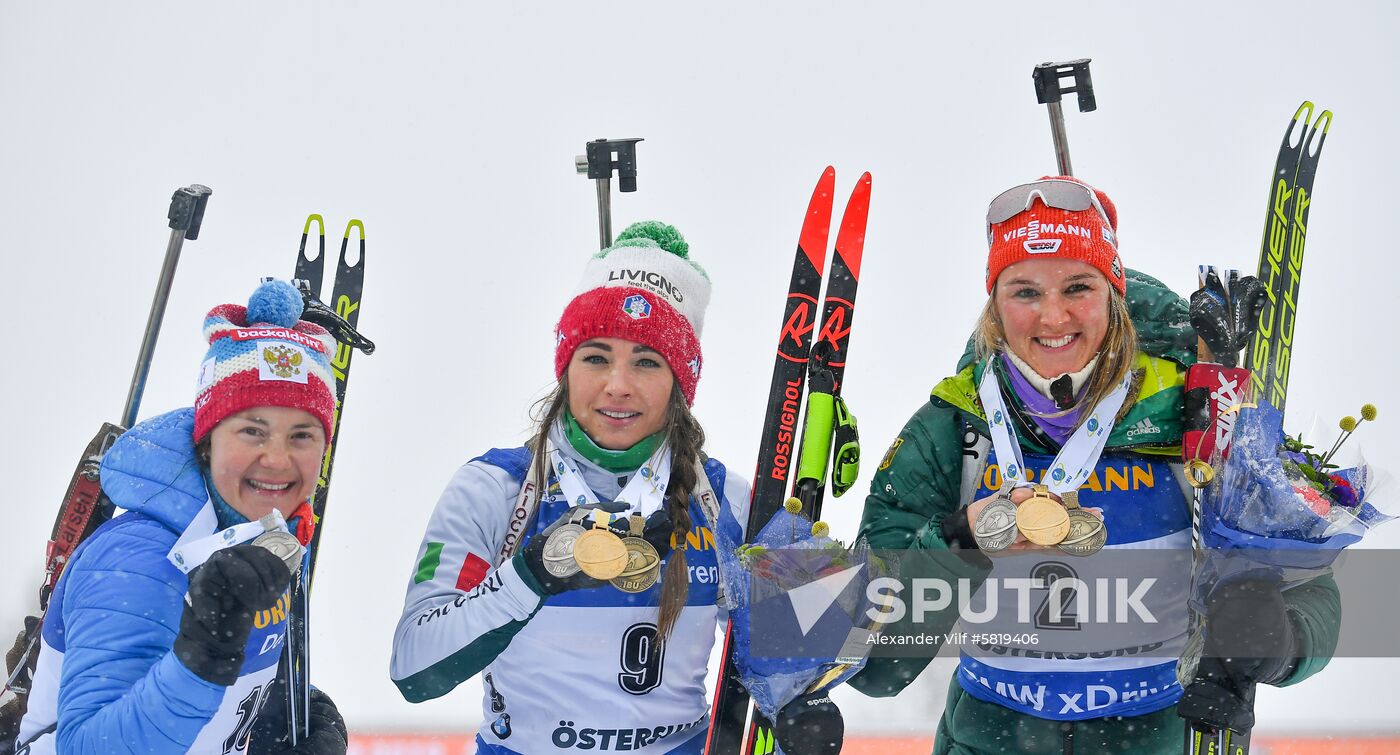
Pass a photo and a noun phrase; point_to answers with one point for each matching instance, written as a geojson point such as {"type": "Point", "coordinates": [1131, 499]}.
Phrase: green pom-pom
{"type": "Point", "coordinates": [654, 233]}
{"type": "Point", "coordinates": [1348, 424]}
{"type": "Point", "coordinates": [1368, 412]}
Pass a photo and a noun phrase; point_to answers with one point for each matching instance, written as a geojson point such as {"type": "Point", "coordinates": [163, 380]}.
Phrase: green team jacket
{"type": "Point", "coordinates": [917, 485]}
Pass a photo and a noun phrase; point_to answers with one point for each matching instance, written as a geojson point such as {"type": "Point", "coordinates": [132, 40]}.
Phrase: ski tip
{"type": "Point", "coordinates": [816, 226]}
{"type": "Point", "coordinates": [1298, 132]}
{"type": "Point", "coordinates": [826, 186]}
{"type": "Point", "coordinates": [352, 225]}
{"type": "Point", "coordinates": [1312, 145]}
{"type": "Point", "coordinates": [318, 220]}
{"type": "Point", "coordinates": [850, 239]}
{"type": "Point", "coordinates": [1323, 122]}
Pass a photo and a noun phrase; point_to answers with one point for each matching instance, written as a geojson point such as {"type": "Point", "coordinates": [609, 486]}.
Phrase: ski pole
{"type": "Point", "coordinates": [84, 508]}
{"type": "Point", "coordinates": [1048, 91]}
{"type": "Point", "coordinates": [601, 158]}
{"type": "Point", "coordinates": [186, 214]}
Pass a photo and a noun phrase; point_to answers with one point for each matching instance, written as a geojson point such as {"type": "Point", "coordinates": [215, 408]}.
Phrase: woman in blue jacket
{"type": "Point", "coordinates": [164, 633]}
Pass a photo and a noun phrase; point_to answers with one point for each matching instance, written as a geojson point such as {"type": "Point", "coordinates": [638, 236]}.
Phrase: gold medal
{"type": "Point", "coordinates": [598, 552]}
{"type": "Point", "coordinates": [1042, 519]}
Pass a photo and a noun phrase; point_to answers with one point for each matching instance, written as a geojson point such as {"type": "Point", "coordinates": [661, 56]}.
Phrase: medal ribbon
{"type": "Point", "coordinates": [1076, 459]}
{"type": "Point", "coordinates": [527, 500]}
{"type": "Point", "coordinates": [644, 493]}
{"type": "Point", "coordinates": [190, 554]}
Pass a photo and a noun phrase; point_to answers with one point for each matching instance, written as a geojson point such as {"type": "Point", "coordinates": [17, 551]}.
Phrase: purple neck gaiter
{"type": "Point", "coordinates": [1057, 428]}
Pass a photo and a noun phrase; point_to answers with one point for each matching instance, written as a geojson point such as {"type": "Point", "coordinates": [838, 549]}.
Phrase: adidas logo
{"type": "Point", "coordinates": [1143, 427]}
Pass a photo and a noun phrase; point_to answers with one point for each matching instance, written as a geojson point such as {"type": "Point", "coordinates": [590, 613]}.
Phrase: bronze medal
{"type": "Point", "coordinates": [643, 562]}
{"type": "Point", "coordinates": [1042, 519]}
{"type": "Point", "coordinates": [1087, 534]}
{"type": "Point", "coordinates": [643, 566]}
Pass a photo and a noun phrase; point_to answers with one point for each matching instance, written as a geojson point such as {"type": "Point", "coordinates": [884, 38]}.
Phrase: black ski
{"type": "Point", "coordinates": [1270, 353]}
{"type": "Point", "coordinates": [826, 369]}
{"type": "Point", "coordinates": [341, 316]}
{"type": "Point", "coordinates": [778, 442]}
{"type": "Point", "coordinates": [778, 445]}
{"type": "Point", "coordinates": [1281, 254]}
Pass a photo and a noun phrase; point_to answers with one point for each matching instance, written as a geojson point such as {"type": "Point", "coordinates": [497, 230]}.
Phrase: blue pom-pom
{"type": "Point", "coordinates": [275, 303]}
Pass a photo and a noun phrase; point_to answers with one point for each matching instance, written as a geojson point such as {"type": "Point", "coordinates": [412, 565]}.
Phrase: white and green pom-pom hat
{"type": "Point", "coordinates": [643, 288]}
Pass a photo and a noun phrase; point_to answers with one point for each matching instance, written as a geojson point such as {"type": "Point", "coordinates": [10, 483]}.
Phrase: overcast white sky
{"type": "Point", "coordinates": [451, 128]}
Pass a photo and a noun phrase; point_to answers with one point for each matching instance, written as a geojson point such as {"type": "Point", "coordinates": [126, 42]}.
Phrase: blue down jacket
{"type": "Point", "coordinates": [108, 680]}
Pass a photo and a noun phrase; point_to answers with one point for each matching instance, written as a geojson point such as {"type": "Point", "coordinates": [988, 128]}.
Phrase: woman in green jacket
{"type": "Point", "coordinates": [1079, 365]}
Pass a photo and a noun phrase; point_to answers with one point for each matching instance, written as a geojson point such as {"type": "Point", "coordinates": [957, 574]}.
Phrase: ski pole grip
{"type": "Point", "coordinates": [1048, 89]}
{"type": "Point", "coordinates": [187, 209]}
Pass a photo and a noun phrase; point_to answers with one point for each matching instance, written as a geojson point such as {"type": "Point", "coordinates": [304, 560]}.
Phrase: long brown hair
{"type": "Point", "coordinates": [686, 439]}
{"type": "Point", "coordinates": [1116, 355]}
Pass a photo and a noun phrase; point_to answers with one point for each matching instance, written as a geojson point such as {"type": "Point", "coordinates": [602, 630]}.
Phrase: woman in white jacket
{"type": "Point", "coordinates": [573, 661]}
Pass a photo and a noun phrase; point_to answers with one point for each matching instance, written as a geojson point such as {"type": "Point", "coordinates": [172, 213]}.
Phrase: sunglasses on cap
{"type": "Point", "coordinates": [1053, 192]}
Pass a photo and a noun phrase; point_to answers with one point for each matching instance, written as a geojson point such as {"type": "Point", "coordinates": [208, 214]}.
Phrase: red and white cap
{"type": "Point", "coordinates": [264, 355]}
{"type": "Point", "coordinates": [644, 289]}
{"type": "Point", "coordinates": [1042, 230]}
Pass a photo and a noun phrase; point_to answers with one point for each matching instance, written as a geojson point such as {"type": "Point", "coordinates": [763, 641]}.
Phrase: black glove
{"type": "Point", "coordinates": [532, 555]}
{"type": "Point", "coordinates": [658, 531]}
{"type": "Point", "coordinates": [1249, 640]}
{"type": "Point", "coordinates": [810, 725]}
{"type": "Point", "coordinates": [225, 592]}
{"type": "Point", "coordinates": [269, 735]}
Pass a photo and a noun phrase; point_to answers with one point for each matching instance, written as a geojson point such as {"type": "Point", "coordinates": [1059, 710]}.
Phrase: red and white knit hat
{"type": "Point", "coordinates": [1042, 231]}
{"type": "Point", "coordinates": [645, 289]}
{"type": "Point", "coordinates": [264, 355]}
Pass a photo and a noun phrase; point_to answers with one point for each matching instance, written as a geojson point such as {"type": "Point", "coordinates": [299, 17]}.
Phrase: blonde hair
{"type": "Point", "coordinates": [686, 439]}
{"type": "Point", "coordinates": [1116, 354]}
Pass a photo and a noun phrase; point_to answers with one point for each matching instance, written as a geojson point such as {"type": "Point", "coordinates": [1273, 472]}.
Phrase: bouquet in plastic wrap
{"type": "Point", "coordinates": [1276, 492]}
{"type": "Point", "coordinates": [798, 601]}
{"type": "Point", "coordinates": [1279, 511]}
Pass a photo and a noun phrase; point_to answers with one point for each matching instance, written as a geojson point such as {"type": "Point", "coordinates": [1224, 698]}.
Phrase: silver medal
{"type": "Point", "coordinates": [283, 545]}
{"type": "Point", "coordinates": [558, 553]}
{"type": "Point", "coordinates": [995, 528]}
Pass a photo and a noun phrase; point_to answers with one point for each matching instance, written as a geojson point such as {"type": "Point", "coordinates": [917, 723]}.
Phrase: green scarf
{"type": "Point", "coordinates": [612, 461]}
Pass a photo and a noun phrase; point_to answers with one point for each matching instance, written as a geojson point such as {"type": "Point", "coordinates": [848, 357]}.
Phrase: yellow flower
{"type": "Point", "coordinates": [1348, 424]}
{"type": "Point", "coordinates": [1368, 412]}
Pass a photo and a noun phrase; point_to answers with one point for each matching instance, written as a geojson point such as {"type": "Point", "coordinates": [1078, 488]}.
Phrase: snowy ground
{"type": "Point", "coordinates": [451, 130]}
